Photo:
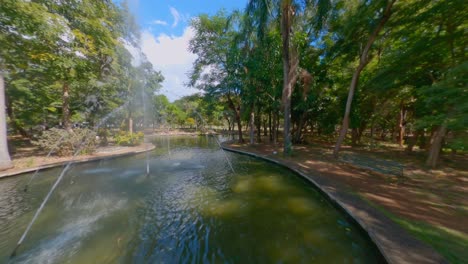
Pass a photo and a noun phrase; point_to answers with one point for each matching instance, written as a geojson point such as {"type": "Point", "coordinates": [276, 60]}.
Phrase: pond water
{"type": "Point", "coordinates": [191, 209]}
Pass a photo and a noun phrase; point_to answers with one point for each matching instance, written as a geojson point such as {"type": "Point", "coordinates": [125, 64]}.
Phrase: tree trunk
{"type": "Point", "coordinates": [258, 118]}
{"type": "Point", "coordinates": [236, 111]}
{"type": "Point", "coordinates": [17, 127]}
{"type": "Point", "coordinates": [412, 141]}
{"type": "Point", "coordinates": [300, 126]}
{"type": "Point", "coordinates": [66, 107]}
{"type": "Point", "coordinates": [436, 146]}
{"type": "Point", "coordinates": [229, 123]}
{"type": "Point", "coordinates": [401, 126]}
{"type": "Point", "coordinates": [252, 125]}
{"type": "Point", "coordinates": [360, 132]}
{"type": "Point", "coordinates": [130, 125]}
{"type": "Point", "coordinates": [5, 160]}
{"type": "Point", "coordinates": [363, 61]}
{"type": "Point", "coordinates": [290, 64]}
{"type": "Point", "coordinates": [275, 128]}
{"type": "Point", "coordinates": [270, 127]}
{"type": "Point", "coordinates": [354, 136]}
{"type": "Point", "coordinates": [130, 121]}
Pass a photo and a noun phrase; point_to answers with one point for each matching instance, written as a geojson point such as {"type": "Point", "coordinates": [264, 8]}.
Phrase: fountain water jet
{"type": "Point", "coordinates": [38, 169]}
{"type": "Point", "coordinates": [219, 144]}
{"type": "Point", "coordinates": [59, 179]}
{"type": "Point", "coordinates": [144, 115]}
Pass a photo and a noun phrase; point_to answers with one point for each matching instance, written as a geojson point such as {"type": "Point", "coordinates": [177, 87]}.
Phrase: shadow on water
{"type": "Point", "coordinates": [191, 208]}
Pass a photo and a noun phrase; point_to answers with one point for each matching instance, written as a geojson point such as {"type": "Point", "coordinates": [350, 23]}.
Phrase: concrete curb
{"type": "Point", "coordinates": [61, 163]}
{"type": "Point", "coordinates": [394, 243]}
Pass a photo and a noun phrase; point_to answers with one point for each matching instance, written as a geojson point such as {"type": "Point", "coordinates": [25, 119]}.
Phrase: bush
{"type": "Point", "coordinates": [124, 138]}
{"type": "Point", "coordinates": [63, 143]}
{"type": "Point", "coordinates": [103, 134]}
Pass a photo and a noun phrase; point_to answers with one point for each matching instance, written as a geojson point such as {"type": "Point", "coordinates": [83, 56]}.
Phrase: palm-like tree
{"type": "Point", "coordinates": [261, 14]}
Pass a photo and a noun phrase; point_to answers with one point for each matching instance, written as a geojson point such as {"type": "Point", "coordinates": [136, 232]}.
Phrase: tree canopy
{"type": "Point", "coordinates": [398, 68]}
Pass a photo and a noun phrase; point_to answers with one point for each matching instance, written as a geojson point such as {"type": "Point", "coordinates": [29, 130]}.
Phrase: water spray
{"type": "Point", "coordinates": [59, 179]}
{"type": "Point", "coordinates": [219, 144]}
{"type": "Point", "coordinates": [144, 115]}
{"type": "Point", "coordinates": [38, 169]}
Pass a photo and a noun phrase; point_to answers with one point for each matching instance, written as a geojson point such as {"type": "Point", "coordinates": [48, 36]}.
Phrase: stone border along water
{"type": "Point", "coordinates": [76, 161]}
{"type": "Point", "coordinates": [393, 242]}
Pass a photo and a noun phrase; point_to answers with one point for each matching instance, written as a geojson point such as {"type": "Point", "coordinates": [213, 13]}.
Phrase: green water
{"type": "Point", "coordinates": [191, 209]}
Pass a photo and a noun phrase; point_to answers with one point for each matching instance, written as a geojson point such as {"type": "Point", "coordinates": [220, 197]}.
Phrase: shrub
{"type": "Point", "coordinates": [124, 138]}
{"type": "Point", "coordinates": [103, 133]}
{"type": "Point", "coordinates": [63, 143]}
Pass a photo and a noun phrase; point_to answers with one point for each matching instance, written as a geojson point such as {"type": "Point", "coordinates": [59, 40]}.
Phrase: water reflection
{"type": "Point", "coordinates": [191, 208]}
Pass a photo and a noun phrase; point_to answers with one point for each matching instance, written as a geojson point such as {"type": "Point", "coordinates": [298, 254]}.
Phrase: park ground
{"type": "Point", "coordinates": [431, 204]}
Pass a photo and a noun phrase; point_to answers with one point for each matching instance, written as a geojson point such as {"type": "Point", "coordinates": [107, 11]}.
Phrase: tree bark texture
{"type": "Point", "coordinates": [436, 146]}
{"type": "Point", "coordinates": [252, 125]}
{"type": "Point", "coordinates": [290, 64]}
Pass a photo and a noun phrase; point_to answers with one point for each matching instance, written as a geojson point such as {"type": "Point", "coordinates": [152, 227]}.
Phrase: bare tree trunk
{"type": "Point", "coordinates": [275, 128]}
{"type": "Point", "coordinates": [236, 111]}
{"type": "Point", "coordinates": [66, 107]}
{"type": "Point", "coordinates": [258, 119]}
{"type": "Point", "coordinates": [300, 126]}
{"type": "Point", "coordinates": [229, 122]}
{"type": "Point", "coordinates": [412, 141]}
{"type": "Point", "coordinates": [130, 121]}
{"type": "Point", "coordinates": [252, 125]}
{"type": "Point", "coordinates": [270, 127]}
{"type": "Point", "coordinates": [130, 125]}
{"type": "Point", "coordinates": [354, 136]}
{"type": "Point", "coordinates": [290, 64]}
{"type": "Point", "coordinates": [436, 146]}
{"type": "Point", "coordinates": [363, 61]}
{"type": "Point", "coordinates": [401, 126]}
{"type": "Point", "coordinates": [5, 160]}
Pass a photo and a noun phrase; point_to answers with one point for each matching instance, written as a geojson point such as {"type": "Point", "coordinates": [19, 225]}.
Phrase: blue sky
{"type": "Point", "coordinates": [166, 32]}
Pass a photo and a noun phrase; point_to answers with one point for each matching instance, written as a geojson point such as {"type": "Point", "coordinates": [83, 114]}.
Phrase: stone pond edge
{"type": "Point", "coordinates": [61, 163]}
{"type": "Point", "coordinates": [389, 255]}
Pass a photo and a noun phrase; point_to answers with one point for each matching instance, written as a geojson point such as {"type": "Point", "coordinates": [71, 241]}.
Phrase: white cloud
{"type": "Point", "coordinates": [176, 15]}
{"type": "Point", "coordinates": [159, 22]}
{"type": "Point", "coordinates": [170, 55]}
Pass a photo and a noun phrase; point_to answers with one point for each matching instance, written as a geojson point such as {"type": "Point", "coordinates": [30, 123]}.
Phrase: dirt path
{"type": "Point", "coordinates": [436, 197]}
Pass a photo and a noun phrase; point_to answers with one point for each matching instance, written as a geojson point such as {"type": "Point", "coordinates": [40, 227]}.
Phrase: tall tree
{"type": "Point", "coordinates": [218, 69]}
{"type": "Point", "coordinates": [363, 61]}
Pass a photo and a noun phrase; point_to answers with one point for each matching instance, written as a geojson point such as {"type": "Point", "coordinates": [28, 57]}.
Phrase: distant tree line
{"type": "Point", "coordinates": [386, 69]}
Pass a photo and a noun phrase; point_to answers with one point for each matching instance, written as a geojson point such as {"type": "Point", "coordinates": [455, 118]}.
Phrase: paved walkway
{"type": "Point", "coordinates": [395, 244]}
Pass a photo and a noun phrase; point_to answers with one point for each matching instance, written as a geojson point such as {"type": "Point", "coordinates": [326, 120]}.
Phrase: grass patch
{"type": "Point", "coordinates": [449, 243]}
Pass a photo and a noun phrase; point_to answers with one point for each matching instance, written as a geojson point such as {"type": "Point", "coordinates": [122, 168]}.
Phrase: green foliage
{"type": "Point", "coordinates": [190, 121]}
{"type": "Point", "coordinates": [64, 143]}
{"type": "Point", "coordinates": [81, 44]}
{"type": "Point", "coordinates": [124, 138]}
